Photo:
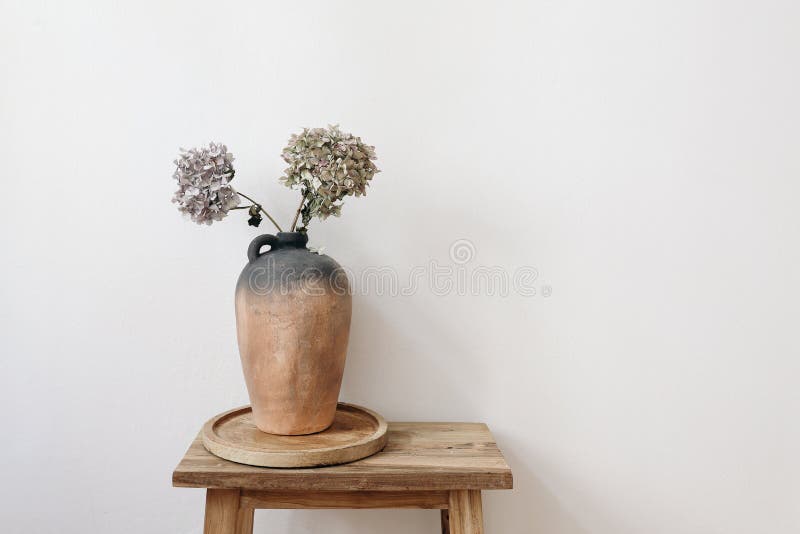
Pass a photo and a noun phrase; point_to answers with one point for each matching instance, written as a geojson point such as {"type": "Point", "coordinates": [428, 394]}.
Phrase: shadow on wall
{"type": "Point", "coordinates": [384, 358]}
{"type": "Point", "coordinates": [530, 507]}
{"type": "Point", "coordinates": [397, 369]}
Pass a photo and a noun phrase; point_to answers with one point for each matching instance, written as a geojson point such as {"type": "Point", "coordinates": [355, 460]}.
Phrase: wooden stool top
{"type": "Point", "coordinates": [417, 457]}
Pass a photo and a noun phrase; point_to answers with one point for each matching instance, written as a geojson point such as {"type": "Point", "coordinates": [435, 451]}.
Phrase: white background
{"type": "Point", "coordinates": [641, 155]}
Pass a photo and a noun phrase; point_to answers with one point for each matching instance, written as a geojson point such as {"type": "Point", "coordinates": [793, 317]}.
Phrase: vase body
{"type": "Point", "coordinates": [293, 310]}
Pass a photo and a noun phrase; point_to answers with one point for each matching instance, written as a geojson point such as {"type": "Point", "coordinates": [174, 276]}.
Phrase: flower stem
{"type": "Point", "coordinates": [297, 215]}
{"type": "Point", "coordinates": [261, 208]}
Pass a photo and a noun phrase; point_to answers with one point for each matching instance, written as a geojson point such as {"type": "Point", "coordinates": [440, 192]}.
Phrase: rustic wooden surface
{"type": "Point", "coordinates": [230, 511]}
{"type": "Point", "coordinates": [355, 433]}
{"type": "Point", "coordinates": [223, 515]}
{"type": "Point", "coordinates": [465, 512]}
{"type": "Point", "coordinates": [424, 465]}
{"type": "Point", "coordinates": [445, 517]}
{"type": "Point", "coordinates": [417, 457]}
{"type": "Point", "coordinates": [353, 500]}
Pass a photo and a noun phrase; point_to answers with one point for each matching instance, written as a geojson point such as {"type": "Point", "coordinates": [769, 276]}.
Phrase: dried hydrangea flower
{"type": "Point", "coordinates": [328, 165]}
{"type": "Point", "coordinates": [204, 191]}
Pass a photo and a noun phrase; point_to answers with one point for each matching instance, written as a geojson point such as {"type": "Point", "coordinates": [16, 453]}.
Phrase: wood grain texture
{"type": "Point", "coordinates": [465, 512]}
{"type": "Point", "coordinates": [429, 500]}
{"type": "Point", "coordinates": [244, 520]}
{"type": "Point", "coordinates": [222, 511]}
{"type": "Point", "coordinates": [356, 432]}
{"type": "Point", "coordinates": [417, 457]}
{"type": "Point", "coordinates": [445, 521]}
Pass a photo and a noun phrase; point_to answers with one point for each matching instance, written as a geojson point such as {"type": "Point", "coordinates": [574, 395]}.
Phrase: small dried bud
{"type": "Point", "coordinates": [255, 215]}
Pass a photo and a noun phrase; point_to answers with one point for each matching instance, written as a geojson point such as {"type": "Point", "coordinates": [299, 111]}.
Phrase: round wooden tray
{"type": "Point", "coordinates": [356, 433]}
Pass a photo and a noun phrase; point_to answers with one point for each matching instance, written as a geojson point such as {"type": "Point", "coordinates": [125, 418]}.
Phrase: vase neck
{"type": "Point", "coordinates": [291, 240]}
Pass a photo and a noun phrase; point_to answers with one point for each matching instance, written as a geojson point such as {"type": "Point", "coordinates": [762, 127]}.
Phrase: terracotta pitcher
{"type": "Point", "coordinates": [293, 310]}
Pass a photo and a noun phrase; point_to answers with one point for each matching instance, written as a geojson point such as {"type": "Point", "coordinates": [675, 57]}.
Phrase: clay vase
{"type": "Point", "coordinates": [293, 310]}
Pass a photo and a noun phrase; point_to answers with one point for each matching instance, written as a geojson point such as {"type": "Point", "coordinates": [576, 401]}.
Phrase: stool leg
{"type": "Point", "coordinates": [466, 513]}
{"type": "Point", "coordinates": [445, 522]}
{"type": "Point", "coordinates": [222, 512]}
{"type": "Point", "coordinates": [244, 521]}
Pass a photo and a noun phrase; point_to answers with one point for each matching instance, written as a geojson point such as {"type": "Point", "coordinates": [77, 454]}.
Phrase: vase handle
{"type": "Point", "coordinates": [254, 250]}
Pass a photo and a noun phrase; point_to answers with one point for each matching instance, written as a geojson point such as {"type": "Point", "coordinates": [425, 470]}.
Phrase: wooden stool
{"type": "Point", "coordinates": [439, 466]}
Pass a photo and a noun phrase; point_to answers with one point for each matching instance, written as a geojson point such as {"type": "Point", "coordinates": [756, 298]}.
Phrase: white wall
{"type": "Point", "coordinates": [643, 156]}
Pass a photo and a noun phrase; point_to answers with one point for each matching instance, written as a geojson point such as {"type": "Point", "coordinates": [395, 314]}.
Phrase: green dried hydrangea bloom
{"type": "Point", "coordinates": [328, 165]}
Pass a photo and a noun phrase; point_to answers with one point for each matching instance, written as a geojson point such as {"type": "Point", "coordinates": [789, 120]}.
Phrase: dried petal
{"type": "Point", "coordinates": [203, 175]}
{"type": "Point", "coordinates": [328, 165]}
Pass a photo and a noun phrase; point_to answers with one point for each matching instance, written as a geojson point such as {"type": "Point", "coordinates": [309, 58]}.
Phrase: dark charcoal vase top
{"type": "Point", "coordinates": [288, 262]}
